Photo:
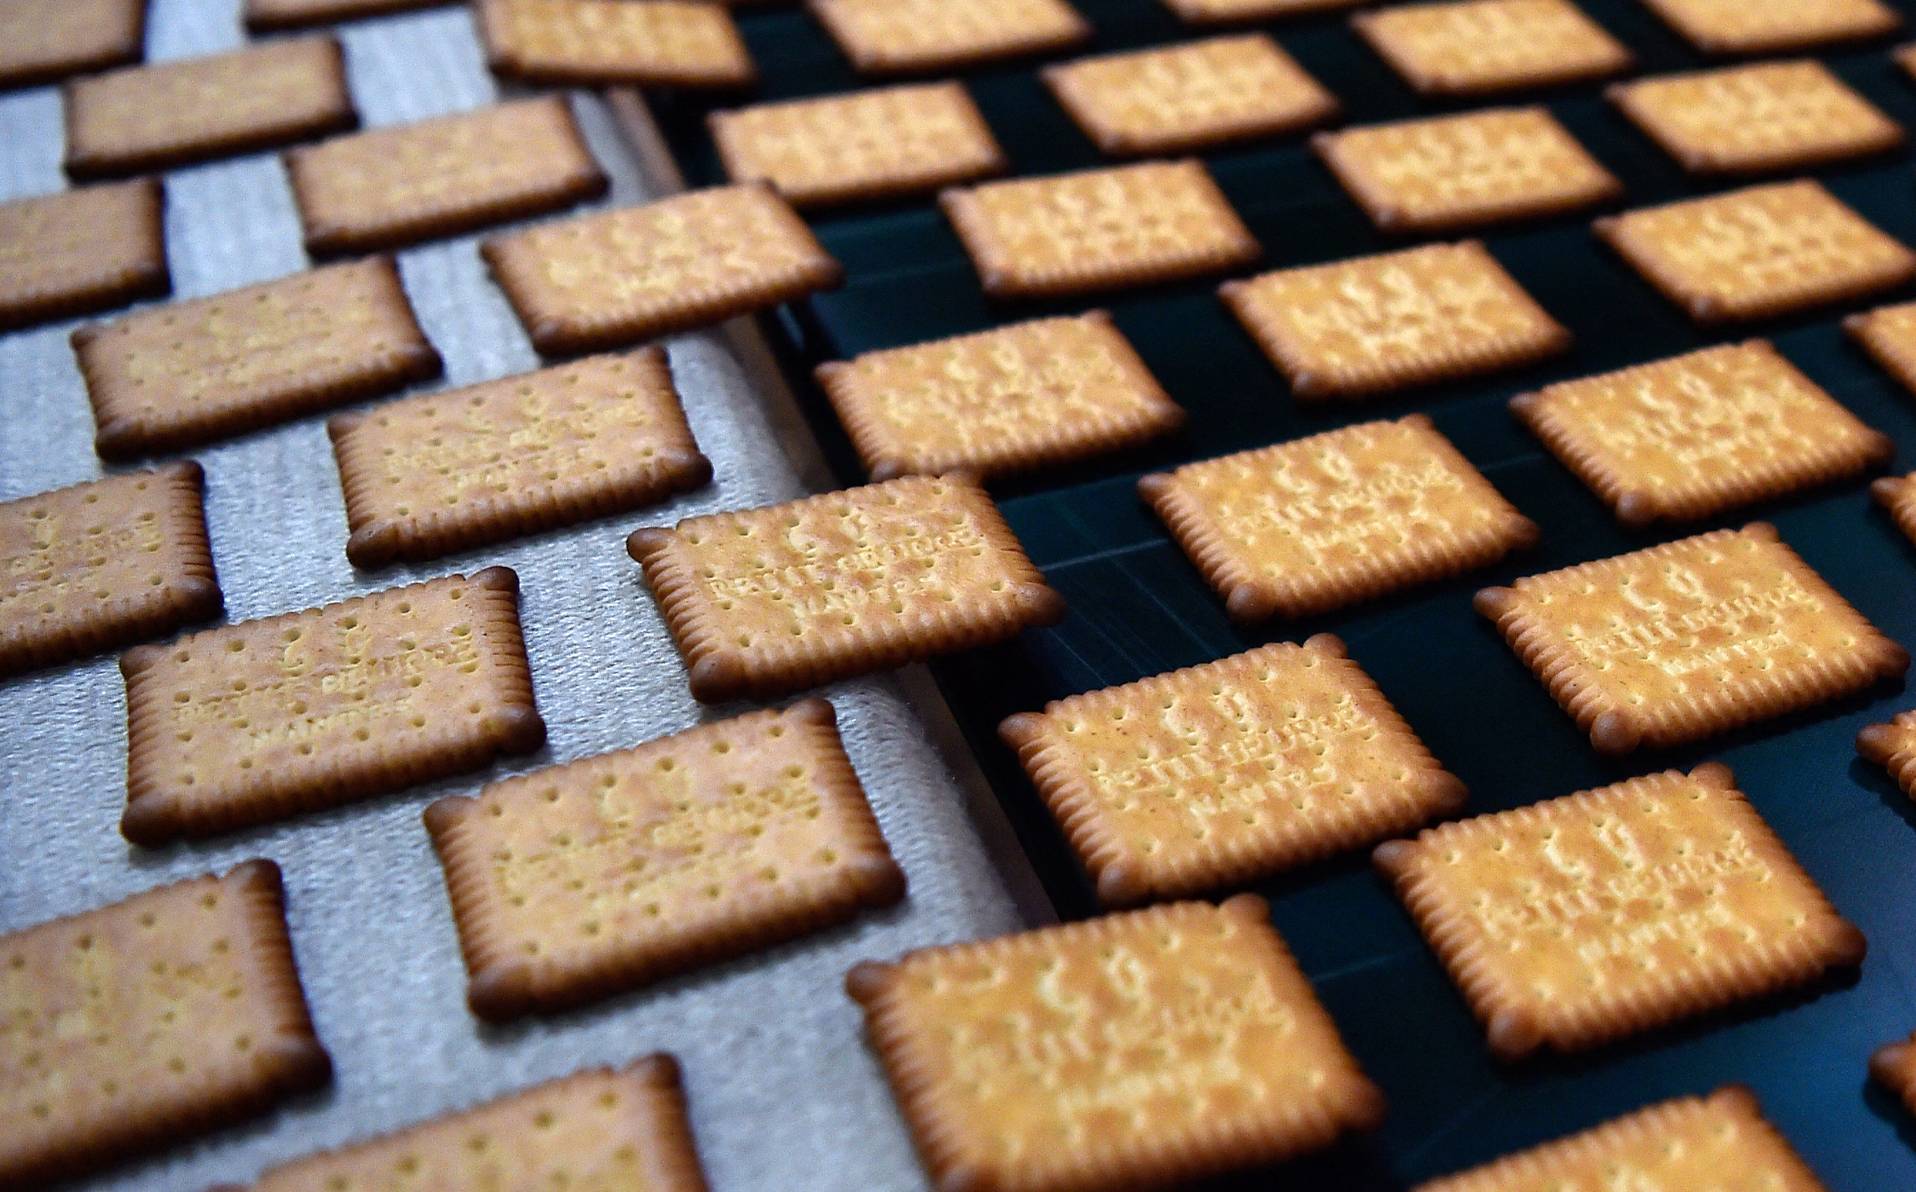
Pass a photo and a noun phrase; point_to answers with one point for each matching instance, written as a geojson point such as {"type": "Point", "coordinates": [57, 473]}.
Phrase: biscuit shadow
{"type": "Point", "coordinates": [1355, 1163]}
{"type": "Point", "coordinates": [1889, 1108]}
{"type": "Point", "coordinates": [1872, 777]}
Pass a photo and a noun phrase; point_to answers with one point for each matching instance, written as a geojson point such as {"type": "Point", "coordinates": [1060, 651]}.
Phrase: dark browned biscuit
{"type": "Point", "coordinates": [766, 601]}
{"type": "Point", "coordinates": [82, 251]}
{"type": "Point", "coordinates": [397, 186]}
{"type": "Point", "coordinates": [1692, 638]}
{"type": "Point", "coordinates": [175, 113]}
{"type": "Point", "coordinates": [190, 372]}
{"type": "Point", "coordinates": [1893, 745]}
{"type": "Point", "coordinates": [617, 277]}
{"type": "Point", "coordinates": [265, 16]}
{"type": "Point", "coordinates": [1758, 252]}
{"type": "Point", "coordinates": [442, 472]}
{"type": "Point", "coordinates": [149, 1021]}
{"type": "Point", "coordinates": [44, 40]}
{"type": "Point", "coordinates": [1231, 12]}
{"type": "Point", "coordinates": [675, 43]}
{"type": "Point", "coordinates": [103, 564]}
{"type": "Point", "coordinates": [1479, 47]}
{"type": "Point", "coordinates": [1888, 334]}
{"type": "Point", "coordinates": [604, 874]}
{"type": "Point", "coordinates": [906, 36]}
{"type": "Point", "coordinates": [264, 719]}
{"type": "Point", "coordinates": [1741, 27]}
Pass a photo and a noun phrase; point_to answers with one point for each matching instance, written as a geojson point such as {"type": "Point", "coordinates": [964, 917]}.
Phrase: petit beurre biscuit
{"type": "Point", "coordinates": [1758, 252]}
{"type": "Point", "coordinates": [604, 874]}
{"type": "Point", "coordinates": [1218, 12]}
{"type": "Point", "coordinates": [1353, 328]}
{"type": "Point", "coordinates": [1027, 395]}
{"type": "Point", "coordinates": [1098, 229]}
{"type": "Point", "coordinates": [442, 472]}
{"type": "Point", "coordinates": [168, 1014]}
{"type": "Point", "coordinates": [1898, 495]}
{"type": "Point", "coordinates": [1480, 47]}
{"type": "Point", "coordinates": [1329, 520]}
{"type": "Point", "coordinates": [1143, 1049]}
{"type": "Point", "coordinates": [766, 601]}
{"type": "Point", "coordinates": [1720, 1141]}
{"type": "Point", "coordinates": [1691, 638]}
{"type": "Point", "coordinates": [1578, 921]}
{"type": "Point", "coordinates": [1892, 745]}
{"type": "Point", "coordinates": [1230, 771]}
{"type": "Point", "coordinates": [265, 719]}
{"type": "Point", "coordinates": [1174, 99]}
{"type": "Point", "coordinates": [904, 36]}
{"type": "Point", "coordinates": [1753, 119]}
{"type": "Point", "coordinates": [82, 251]}
{"type": "Point", "coordinates": [1888, 334]}
{"type": "Point", "coordinates": [103, 564]}
{"type": "Point", "coordinates": [190, 372]}
{"type": "Point", "coordinates": [44, 40]}
{"type": "Point", "coordinates": [596, 1129]}
{"type": "Point", "coordinates": [1443, 173]}
{"type": "Point", "coordinates": [885, 143]}
{"type": "Point", "coordinates": [1741, 27]}
{"type": "Point", "coordinates": [176, 113]}
{"type": "Point", "coordinates": [265, 16]}
{"type": "Point", "coordinates": [675, 43]}
{"type": "Point", "coordinates": [439, 177]}
{"type": "Point", "coordinates": [1688, 437]}
{"type": "Point", "coordinates": [615, 277]}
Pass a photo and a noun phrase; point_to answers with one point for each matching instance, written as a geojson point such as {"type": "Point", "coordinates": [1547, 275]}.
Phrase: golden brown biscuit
{"type": "Point", "coordinates": [885, 143]}
{"type": "Point", "coordinates": [1893, 747]}
{"type": "Point", "coordinates": [443, 472]}
{"type": "Point", "coordinates": [1694, 435]}
{"type": "Point", "coordinates": [1049, 391]}
{"type": "Point", "coordinates": [1720, 1141]}
{"type": "Point", "coordinates": [604, 874]}
{"type": "Point", "coordinates": [1740, 27]}
{"type": "Point", "coordinates": [397, 186]}
{"type": "Point", "coordinates": [616, 277]}
{"type": "Point", "coordinates": [1888, 334]}
{"type": "Point", "coordinates": [190, 372]}
{"type": "Point", "coordinates": [175, 113]}
{"type": "Point", "coordinates": [265, 719]}
{"type": "Point", "coordinates": [1369, 325]}
{"type": "Point", "coordinates": [1175, 99]}
{"type": "Point", "coordinates": [44, 40]}
{"type": "Point", "coordinates": [149, 1021]}
{"type": "Point", "coordinates": [1753, 119]}
{"type": "Point", "coordinates": [1222, 12]}
{"type": "Point", "coordinates": [1227, 772]}
{"type": "Point", "coordinates": [82, 251]}
{"type": "Point", "coordinates": [1577, 921]}
{"type": "Point", "coordinates": [1335, 518]}
{"type": "Point", "coordinates": [1692, 638]}
{"type": "Point", "coordinates": [675, 43]}
{"type": "Point", "coordinates": [1098, 229]}
{"type": "Point", "coordinates": [766, 601]}
{"type": "Point", "coordinates": [103, 564]}
{"type": "Point", "coordinates": [266, 16]}
{"type": "Point", "coordinates": [1144, 1049]}
{"type": "Point", "coordinates": [1480, 47]}
{"type": "Point", "coordinates": [907, 36]}
{"type": "Point", "coordinates": [1898, 495]}
{"type": "Point", "coordinates": [1443, 173]}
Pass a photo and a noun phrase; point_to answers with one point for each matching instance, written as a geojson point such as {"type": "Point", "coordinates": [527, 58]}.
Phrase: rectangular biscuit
{"type": "Point", "coordinates": [1892, 745]}
{"type": "Point", "coordinates": [1018, 397]}
{"type": "Point", "coordinates": [1176, 99]}
{"type": "Point", "coordinates": [909, 36]}
{"type": "Point", "coordinates": [45, 40]}
{"type": "Point", "coordinates": [767, 601]}
{"type": "Point", "coordinates": [572, 883]}
{"type": "Point", "coordinates": [1754, 119]}
{"type": "Point", "coordinates": [616, 277]}
{"type": "Point", "coordinates": [885, 143]}
{"type": "Point", "coordinates": [146, 1022]}
{"type": "Point", "coordinates": [194, 371]}
{"type": "Point", "coordinates": [1740, 27]}
{"type": "Point", "coordinates": [1482, 47]}
{"type": "Point", "coordinates": [444, 472]}
{"type": "Point", "coordinates": [1719, 1141]}
{"type": "Point", "coordinates": [1336, 518]}
{"type": "Point", "coordinates": [176, 113]}
{"type": "Point", "coordinates": [1231, 12]}
{"type": "Point", "coordinates": [661, 43]}
{"type": "Point", "coordinates": [1685, 640]}
{"type": "Point", "coordinates": [270, 16]}
{"type": "Point", "coordinates": [1888, 334]}
{"type": "Point", "coordinates": [1144, 1049]}
{"type": "Point", "coordinates": [1098, 229]}
{"type": "Point", "coordinates": [1758, 252]}
{"type": "Point", "coordinates": [1694, 435]}
{"type": "Point", "coordinates": [82, 251]}
{"type": "Point", "coordinates": [396, 186]}
{"type": "Point", "coordinates": [101, 565]}
{"type": "Point", "coordinates": [1442, 312]}
{"type": "Point", "coordinates": [1229, 772]}
{"type": "Point", "coordinates": [1444, 173]}
{"type": "Point", "coordinates": [266, 719]}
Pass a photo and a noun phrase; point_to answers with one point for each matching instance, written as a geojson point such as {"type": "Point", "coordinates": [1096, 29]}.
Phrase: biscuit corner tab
{"type": "Point", "coordinates": [867, 980]}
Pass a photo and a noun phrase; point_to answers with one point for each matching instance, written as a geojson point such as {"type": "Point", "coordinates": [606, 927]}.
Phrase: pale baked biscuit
{"type": "Point", "coordinates": [902, 36]}
{"type": "Point", "coordinates": [1480, 47]}
{"type": "Point", "coordinates": [82, 251]}
{"type": "Point", "coordinates": [43, 40]}
{"type": "Point", "coordinates": [1742, 27]}
{"type": "Point", "coordinates": [660, 43]}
